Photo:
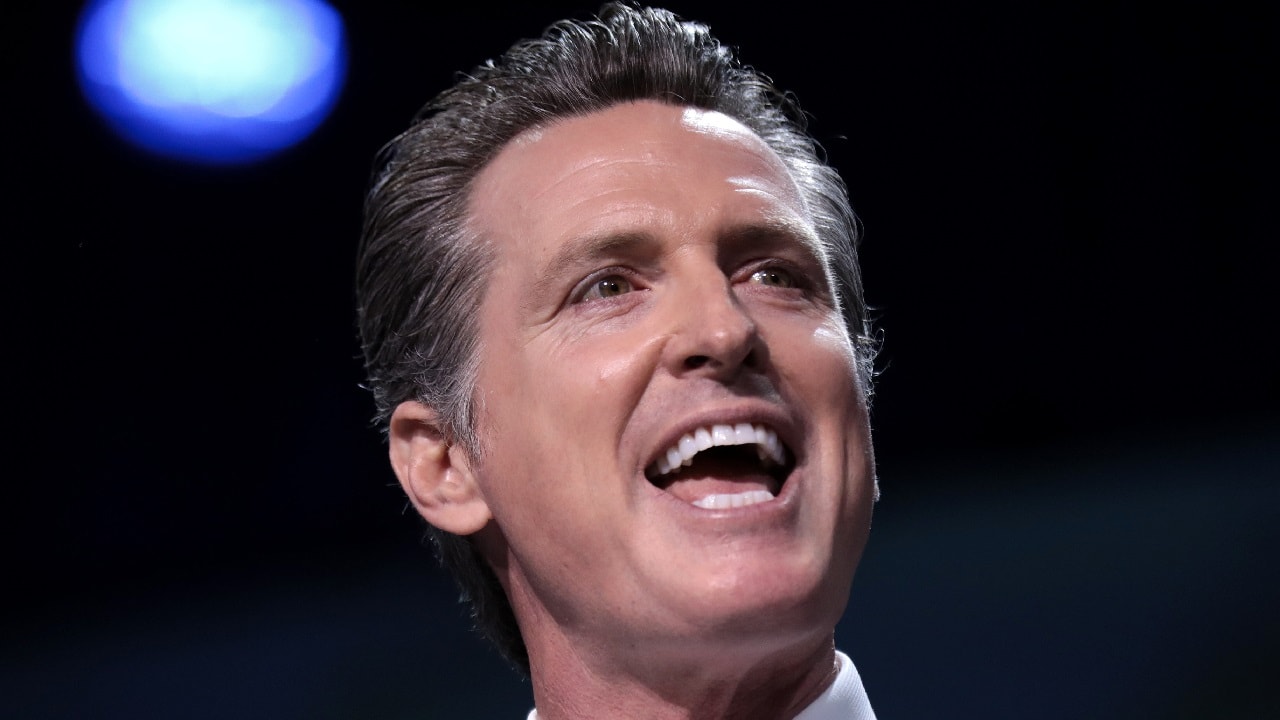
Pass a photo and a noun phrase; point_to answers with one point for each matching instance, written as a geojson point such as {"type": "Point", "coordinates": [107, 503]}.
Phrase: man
{"type": "Point", "coordinates": [613, 322]}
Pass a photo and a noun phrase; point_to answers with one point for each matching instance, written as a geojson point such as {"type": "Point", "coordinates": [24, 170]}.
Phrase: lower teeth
{"type": "Point", "coordinates": [736, 500]}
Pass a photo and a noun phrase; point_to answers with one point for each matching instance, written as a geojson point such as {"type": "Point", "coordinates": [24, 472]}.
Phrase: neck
{"type": "Point", "coordinates": [575, 682]}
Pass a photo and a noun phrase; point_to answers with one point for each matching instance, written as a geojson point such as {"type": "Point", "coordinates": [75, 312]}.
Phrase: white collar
{"type": "Point", "coordinates": [845, 699]}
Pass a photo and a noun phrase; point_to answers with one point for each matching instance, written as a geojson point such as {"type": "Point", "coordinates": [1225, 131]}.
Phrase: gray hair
{"type": "Point", "coordinates": [420, 273]}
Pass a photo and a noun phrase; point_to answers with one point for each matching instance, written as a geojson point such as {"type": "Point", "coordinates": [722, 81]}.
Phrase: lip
{"type": "Point", "coordinates": [753, 412]}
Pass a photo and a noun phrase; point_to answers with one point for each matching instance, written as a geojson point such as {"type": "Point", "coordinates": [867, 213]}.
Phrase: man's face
{"type": "Point", "coordinates": [658, 289]}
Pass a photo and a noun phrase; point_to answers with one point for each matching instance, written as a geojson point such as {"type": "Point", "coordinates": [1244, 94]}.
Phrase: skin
{"type": "Point", "coordinates": [655, 270]}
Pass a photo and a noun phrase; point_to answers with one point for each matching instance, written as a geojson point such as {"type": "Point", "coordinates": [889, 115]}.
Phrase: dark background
{"type": "Point", "coordinates": [1070, 243]}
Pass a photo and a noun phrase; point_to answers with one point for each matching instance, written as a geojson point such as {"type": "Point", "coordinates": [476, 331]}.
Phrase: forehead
{"type": "Point", "coordinates": [646, 162]}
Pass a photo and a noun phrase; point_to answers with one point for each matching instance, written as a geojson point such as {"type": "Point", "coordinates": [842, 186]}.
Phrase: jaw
{"type": "Point", "coordinates": [760, 566]}
{"type": "Point", "coordinates": [722, 594]}
{"type": "Point", "coordinates": [731, 672]}
{"type": "Point", "coordinates": [785, 566]}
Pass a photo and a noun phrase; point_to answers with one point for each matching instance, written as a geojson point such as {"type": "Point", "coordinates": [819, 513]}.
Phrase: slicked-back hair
{"type": "Point", "coordinates": [421, 272]}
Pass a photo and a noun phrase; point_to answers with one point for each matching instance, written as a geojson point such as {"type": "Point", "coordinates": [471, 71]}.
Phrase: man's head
{"type": "Point", "coordinates": [610, 238]}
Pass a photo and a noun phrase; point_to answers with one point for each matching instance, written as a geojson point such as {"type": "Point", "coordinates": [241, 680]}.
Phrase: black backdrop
{"type": "Point", "coordinates": [1070, 243]}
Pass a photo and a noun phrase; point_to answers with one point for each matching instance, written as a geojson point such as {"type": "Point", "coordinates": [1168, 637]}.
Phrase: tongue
{"type": "Point", "coordinates": [720, 473]}
{"type": "Point", "coordinates": [692, 489]}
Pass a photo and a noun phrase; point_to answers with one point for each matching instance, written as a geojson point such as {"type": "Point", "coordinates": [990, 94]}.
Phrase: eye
{"type": "Point", "coordinates": [774, 277]}
{"type": "Point", "coordinates": [606, 287]}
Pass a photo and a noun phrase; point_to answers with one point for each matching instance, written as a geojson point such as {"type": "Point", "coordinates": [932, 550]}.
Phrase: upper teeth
{"type": "Point", "coordinates": [768, 447]}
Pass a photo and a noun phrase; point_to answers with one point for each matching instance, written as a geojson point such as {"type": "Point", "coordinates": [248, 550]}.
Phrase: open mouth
{"type": "Point", "coordinates": [724, 466]}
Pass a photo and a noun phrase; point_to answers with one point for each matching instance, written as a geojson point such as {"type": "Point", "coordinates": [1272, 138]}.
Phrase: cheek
{"type": "Point", "coordinates": [560, 409]}
{"type": "Point", "coordinates": [832, 338]}
{"type": "Point", "coordinates": [839, 373]}
{"type": "Point", "coordinates": [824, 376]}
{"type": "Point", "coordinates": [600, 376]}
{"type": "Point", "coordinates": [818, 360]}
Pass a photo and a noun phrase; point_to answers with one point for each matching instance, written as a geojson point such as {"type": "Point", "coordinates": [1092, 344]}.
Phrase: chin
{"type": "Point", "coordinates": [768, 603]}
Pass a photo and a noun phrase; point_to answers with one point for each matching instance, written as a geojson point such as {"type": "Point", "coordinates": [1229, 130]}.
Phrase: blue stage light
{"type": "Point", "coordinates": [211, 81]}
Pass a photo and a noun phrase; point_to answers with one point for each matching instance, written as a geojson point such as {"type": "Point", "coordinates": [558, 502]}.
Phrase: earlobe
{"type": "Point", "coordinates": [435, 474]}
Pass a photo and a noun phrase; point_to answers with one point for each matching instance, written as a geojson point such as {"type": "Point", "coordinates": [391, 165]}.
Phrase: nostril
{"type": "Point", "coordinates": [693, 362]}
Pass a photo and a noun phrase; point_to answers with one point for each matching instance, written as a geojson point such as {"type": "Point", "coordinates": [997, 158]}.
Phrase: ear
{"type": "Point", "coordinates": [435, 474]}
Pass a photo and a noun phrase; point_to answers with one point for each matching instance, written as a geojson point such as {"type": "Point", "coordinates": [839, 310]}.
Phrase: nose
{"type": "Point", "coordinates": [713, 334]}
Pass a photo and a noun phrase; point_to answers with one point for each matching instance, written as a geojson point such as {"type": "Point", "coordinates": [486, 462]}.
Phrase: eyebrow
{"type": "Point", "coordinates": [772, 233]}
{"type": "Point", "coordinates": [591, 250]}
